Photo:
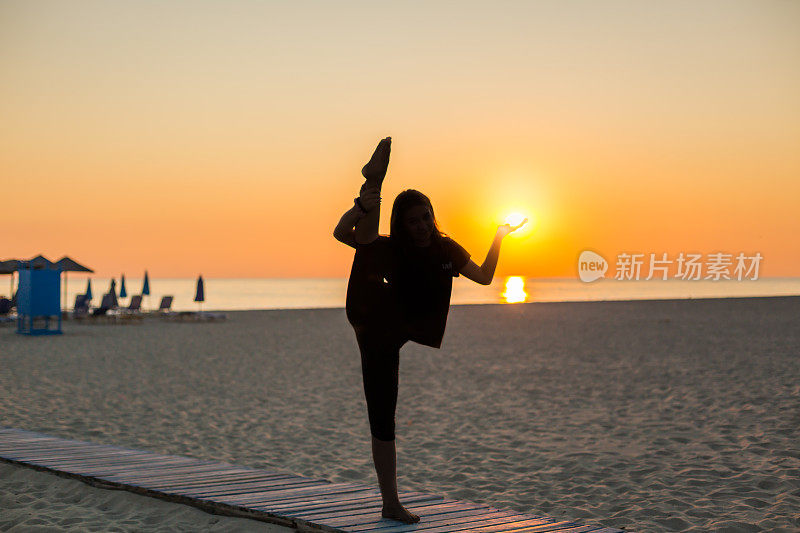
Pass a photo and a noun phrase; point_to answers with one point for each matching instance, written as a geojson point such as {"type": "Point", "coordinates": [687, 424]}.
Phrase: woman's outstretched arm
{"type": "Point", "coordinates": [485, 273]}
{"type": "Point", "coordinates": [344, 231]}
{"type": "Point", "coordinates": [352, 218]}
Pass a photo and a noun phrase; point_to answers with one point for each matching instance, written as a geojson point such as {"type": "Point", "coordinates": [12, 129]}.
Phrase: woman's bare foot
{"type": "Point", "coordinates": [375, 170]}
{"type": "Point", "coordinates": [398, 512]}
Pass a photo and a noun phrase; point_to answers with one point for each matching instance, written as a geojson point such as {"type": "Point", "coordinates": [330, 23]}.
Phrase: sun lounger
{"type": "Point", "coordinates": [106, 309]}
{"type": "Point", "coordinates": [135, 306]}
{"type": "Point", "coordinates": [133, 311]}
{"type": "Point", "coordinates": [165, 308]}
{"type": "Point", "coordinates": [5, 310]}
{"type": "Point", "coordinates": [81, 308]}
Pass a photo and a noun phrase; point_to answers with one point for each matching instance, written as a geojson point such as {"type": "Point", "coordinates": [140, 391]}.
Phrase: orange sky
{"type": "Point", "coordinates": [226, 138]}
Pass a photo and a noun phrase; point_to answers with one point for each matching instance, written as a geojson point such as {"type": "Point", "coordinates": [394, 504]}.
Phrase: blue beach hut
{"type": "Point", "coordinates": [39, 299]}
{"type": "Point", "coordinates": [89, 289]}
{"type": "Point", "coordinates": [122, 292]}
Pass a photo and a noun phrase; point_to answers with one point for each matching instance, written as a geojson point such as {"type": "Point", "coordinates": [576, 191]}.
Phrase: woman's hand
{"type": "Point", "coordinates": [504, 229]}
{"type": "Point", "coordinates": [370, 198]}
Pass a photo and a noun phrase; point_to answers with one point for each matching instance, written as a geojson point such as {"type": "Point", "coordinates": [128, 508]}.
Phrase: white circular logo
{"type": "Point", "coordinates": [591, 266]}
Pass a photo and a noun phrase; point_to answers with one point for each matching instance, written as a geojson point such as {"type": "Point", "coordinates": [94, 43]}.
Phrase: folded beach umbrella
{"type": "Point", "coordinates": [89, 290]}
{"type": "Point", "coordinates": [200, 295]}
{"type": "Point", "coordinates": [122, 292]}
{"type": "Point", "coordinates": [146, 285]}
{"type": "Point", "coordinates": [67, 264]}
{"type": "Point", "coordinates": [113, 291]}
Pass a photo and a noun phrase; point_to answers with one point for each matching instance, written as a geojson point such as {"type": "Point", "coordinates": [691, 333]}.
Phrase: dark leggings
{"type": "Point", "coordinates": [373, 313]}
{"type": "Point", "coordinates": [380, 365]}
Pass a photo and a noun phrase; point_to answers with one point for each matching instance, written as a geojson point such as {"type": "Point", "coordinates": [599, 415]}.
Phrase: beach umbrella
{"type": "Point", "coordinates": [41, 261]}
{"type": "Point", "coordinates": [146, 286]}
{"type": "Point", "coordinates": [122, 292]}
{"type": "Point", "coordinates": [9, 266]}
{"type": "Point", "coordinates": [67, 264]}
{"type": "Point", "coordinates": [113, 291]}
{"type": "Point", "coordinates": [89, 289]}
{"type": "Point", "coordinates": [200, 294]}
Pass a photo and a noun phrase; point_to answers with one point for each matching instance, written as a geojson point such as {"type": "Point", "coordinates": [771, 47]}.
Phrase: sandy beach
{"type": "Point", "coordinates": [652, 416]}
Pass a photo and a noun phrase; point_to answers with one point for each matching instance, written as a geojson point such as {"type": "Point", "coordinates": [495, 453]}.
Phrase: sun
{"type": "Point", "coordinates": [516, 217]}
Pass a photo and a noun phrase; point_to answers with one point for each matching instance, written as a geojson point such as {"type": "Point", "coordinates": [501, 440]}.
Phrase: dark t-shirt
{"type": "Point", "coordinates": [407, 286]}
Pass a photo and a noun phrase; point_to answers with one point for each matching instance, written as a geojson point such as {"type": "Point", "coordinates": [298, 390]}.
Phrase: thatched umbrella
{"type": "Point", "coordinates": [41, 261]}
{"type": "Point", "coordinates": [9, 267]}
{"type": "Point", "coordinates": [67, 264]}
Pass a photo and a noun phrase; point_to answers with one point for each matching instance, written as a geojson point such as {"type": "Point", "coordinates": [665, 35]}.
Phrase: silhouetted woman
{"type": "Point", "coordinates": [399, 290]}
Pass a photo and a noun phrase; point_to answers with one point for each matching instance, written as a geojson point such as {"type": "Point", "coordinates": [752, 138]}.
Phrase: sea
{"type": "Point", "coordinates": [307, 293]}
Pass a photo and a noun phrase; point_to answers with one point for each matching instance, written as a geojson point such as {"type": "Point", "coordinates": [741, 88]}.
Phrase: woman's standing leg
{"type": "Point", "coordinates": [380, 363]}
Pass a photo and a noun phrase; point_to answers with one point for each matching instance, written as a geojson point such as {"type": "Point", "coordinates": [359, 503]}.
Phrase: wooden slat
{"type": "Point", "coordinates": [373, 509]}
{"type": "Point", "coordinates": [266, 496]}
{"type": "Point", "coordinates": [159, 472]}
{"type": "Point", "coordinates": [130, 461]}
{"type": "Point", "coordinates": [339, 500]}
{"type": "Point", "coordinates": [232, 478]}
{"type": "Point", "coordinates": [444, 521]}
{"type": "Point", "coordinates": [282, 498]}
{"type": "Point", "coordinates": [374, 519]}
{"type": "Point", "coordinates": [363, 509]}
{"type": "Point", "coordinates": [289, 500]}
{"type": "Point", "coordinates": [252, 488]}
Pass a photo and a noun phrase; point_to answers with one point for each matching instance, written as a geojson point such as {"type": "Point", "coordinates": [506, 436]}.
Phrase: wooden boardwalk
{"type": "Point", "coordinates": [299, 503]}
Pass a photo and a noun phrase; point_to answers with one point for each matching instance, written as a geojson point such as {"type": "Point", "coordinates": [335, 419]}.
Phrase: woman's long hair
{"type": "Point", "coordinates": [405, 201]}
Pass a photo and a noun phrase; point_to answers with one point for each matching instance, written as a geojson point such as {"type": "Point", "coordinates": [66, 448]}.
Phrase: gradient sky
{"type": "Point", "coordinates": [227, 137]}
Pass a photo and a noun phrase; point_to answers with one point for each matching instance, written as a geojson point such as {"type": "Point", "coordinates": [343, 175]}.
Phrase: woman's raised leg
{"type": "Point", "coordinates": [374, 171]}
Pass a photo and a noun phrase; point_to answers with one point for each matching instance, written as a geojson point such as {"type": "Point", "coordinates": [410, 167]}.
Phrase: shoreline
{"type": "Point", "coordinates": [500, 304]}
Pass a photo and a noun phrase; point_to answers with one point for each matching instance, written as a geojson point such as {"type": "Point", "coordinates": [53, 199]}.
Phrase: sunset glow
{"type": "Point", "coordinates": [228, 137]}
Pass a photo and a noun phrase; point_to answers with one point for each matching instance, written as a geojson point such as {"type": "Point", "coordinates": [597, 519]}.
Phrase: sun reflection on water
{"type": "Point", "coordinates": [515, 290]}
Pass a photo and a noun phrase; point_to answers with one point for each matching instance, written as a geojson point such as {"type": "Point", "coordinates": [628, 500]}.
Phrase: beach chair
{"type": "Point", "coordinates": [135, 306]}
{"type": "Point", "coordinates": [5, 310]}
{"type": "Point", "coordinates": [106, 305]}
{"type": "Point", "coordinates": [133, 311]}
{"type": "Point", "coordinates": [165, 308]}
{"type": "Point", "coordinates": [81, 308]}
